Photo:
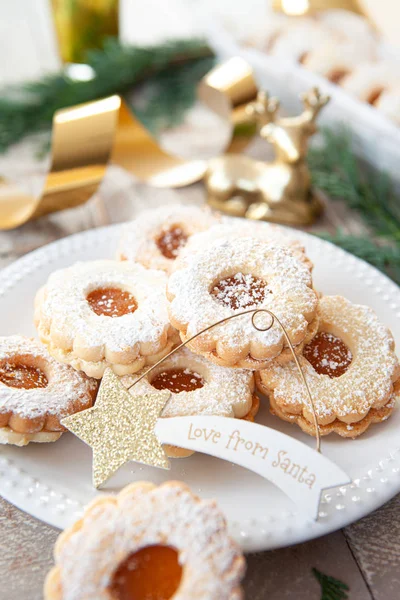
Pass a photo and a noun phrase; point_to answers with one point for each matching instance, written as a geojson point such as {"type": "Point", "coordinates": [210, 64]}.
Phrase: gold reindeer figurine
{"type": "Point", "coordinates": [278, 191]}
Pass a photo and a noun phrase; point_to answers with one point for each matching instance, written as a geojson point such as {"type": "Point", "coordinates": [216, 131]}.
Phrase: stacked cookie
{"type": "Point", "coordinates": [340, 46]}
{"type": "Point", "coordinates": [178, 272]}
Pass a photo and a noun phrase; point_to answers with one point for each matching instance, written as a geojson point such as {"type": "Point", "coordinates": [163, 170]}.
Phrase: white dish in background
{"type": "Point", "coordinates": [53, 482]}
{"type": "Point", "coordinates": [375, 138]}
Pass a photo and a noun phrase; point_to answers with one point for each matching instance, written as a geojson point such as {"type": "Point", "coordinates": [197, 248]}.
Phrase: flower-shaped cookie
{"type": "Point", "coordinates": [370, 80]}
{"type": "Point", "coordinates": [232, 229]}
{"type": "Point", "coordinates": [233, 276]}
{"type": "Point", "coordinates": [351, 369]}
{"type": "Point", "coordinates": [156, 237]}
{"type": "Point", "coordinates": [198, 387]}
{"type": "Point", "coordinates": [105, 313]}
{"type": "Point", "coordinates": [147, 543]}
{"type": "Point", "coordinates": [37, 392]}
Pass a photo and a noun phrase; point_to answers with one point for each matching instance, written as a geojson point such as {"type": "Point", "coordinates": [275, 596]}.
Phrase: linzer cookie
{"type": "Point", "coordinates": [105, 313]}
{"type": "Point", "coordinates": [351, 369]}
{"type": "Point", "coordinates": [232, 229]}
{"type": "Point", "coordinates": [146, 543]}
{"type": "Point", "coordinates": [230, 277]}
{"type": "Point", "coordinates": [156, 237]}
{"type": "Point", "coordinates": [36, 392]}
{"type": "Point", "coordinates": [198, 387]}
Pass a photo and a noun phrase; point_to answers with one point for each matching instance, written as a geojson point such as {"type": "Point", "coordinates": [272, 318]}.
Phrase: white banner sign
{"type": "Point", "coordinates": [298, 470]}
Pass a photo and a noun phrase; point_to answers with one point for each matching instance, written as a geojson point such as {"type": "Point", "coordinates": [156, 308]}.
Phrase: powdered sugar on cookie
{"type": "Point", "coordinates": [61, 390]}
{"type": "Point", "coordinates": [142, 515]}
{"type": "Point", "coordinates": [287, 291]}
{"type": "Point", "coordinates": [90, 337]}
{"type": "Point", "coordinates": [156, 237]}
{"type": "Point", "coordinates": [225, 392]}
{"type": "Point", "coordinates": [232, 229]}
{"type": "Point", "coordinates": [366, 381]}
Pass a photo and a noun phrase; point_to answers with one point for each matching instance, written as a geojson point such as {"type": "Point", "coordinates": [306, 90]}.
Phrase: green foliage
{"type": "Point", "coordinates": [168, 75]}
{"type": "Point", "coordinates": [170, 94]}
{"type": "Point", "coordinates": [331, 588]}
{"type": "Point", "coordinates": [337, 172]}
{"type": "Point", "coordinates": [118, 69]}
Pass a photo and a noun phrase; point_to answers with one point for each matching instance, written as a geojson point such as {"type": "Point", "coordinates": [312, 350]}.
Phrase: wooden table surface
{"type": "Point", "coordinates": [365, 555]}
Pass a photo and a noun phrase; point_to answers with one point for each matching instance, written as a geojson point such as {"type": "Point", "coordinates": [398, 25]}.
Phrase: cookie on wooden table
{"type": "Point", "coordinates": [147, 542]}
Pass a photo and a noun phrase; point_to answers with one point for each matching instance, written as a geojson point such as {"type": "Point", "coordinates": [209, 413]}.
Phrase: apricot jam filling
{"type": "Point", "coordinates": [111, 302]}
{"type": "Point", "coordinates": [240, 291]}
{"type": "Point", "coordinates": [171, 241]}
{"type": "Point", "coordinates": [178, 380]}
{"type": "Point", "coordinates": [152, 573]}
{"type": "Point", "coordinates": [18, 375]}
{"type": "Point", "coordinates": [328, 355]}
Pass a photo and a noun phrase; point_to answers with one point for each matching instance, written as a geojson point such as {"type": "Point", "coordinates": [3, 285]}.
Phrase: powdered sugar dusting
{"type": "Point", "coordinates": [368, 381]}
{"type": "Point", "coordinates": [291, 297]}
{"type": "Point", "coordinates": [169, 515]}
{"type": "Point", "coordinates": [67, 323]}
{"type": "Point", "coordinates": [66, 388]}
{"type": "Point", "coordinates": [226, 392]}
{"type": "Point", "coordinates": [232, 229]}
{"type": "Point", "coordinates": [140, 239]}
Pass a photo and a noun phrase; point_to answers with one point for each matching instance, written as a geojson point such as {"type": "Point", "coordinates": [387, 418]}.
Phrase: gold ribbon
{"type": "Point", "coordinates": [87, 137]}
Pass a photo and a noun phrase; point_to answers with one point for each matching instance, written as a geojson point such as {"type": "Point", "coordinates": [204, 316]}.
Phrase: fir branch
{"type": "Point", "coordinates": [382, 256]}
{"type": "Point", "coordinates": [331, 588]}
{"type": "Point", "coordinates": [169, 95]}
{"type": "Point", "coordinates": [336, 170]}
{"type": "Point", "coordinates": [29, 108]}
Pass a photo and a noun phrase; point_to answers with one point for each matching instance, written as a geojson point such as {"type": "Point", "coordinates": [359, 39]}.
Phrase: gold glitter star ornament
{"type": "Point", "coordinates": [120, 428]}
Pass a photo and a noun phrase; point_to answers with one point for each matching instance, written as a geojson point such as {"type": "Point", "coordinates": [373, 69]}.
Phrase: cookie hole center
{"type": "Point", "coordinates": [375, 95]}
{"type": "Point", "coordinates": [19, 375]}
{"type": "Point", "coordinates": [178, 380]}
{"type": "Point", "coordinates": [240, 291]}
{"type": "Point", "coordinates": [170, 241]}
{"type": "Point", "coordinates": [111, 302]}
{"type": "Point", "coordinates": [337, 75]}
{"type": "Point", "coordinates": [328, 355]}
{"type": "Point", "coordinates": [152, 573]}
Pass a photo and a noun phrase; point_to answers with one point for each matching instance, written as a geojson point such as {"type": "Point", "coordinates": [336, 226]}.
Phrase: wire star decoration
{"type": "Point", "coordinates": [120, 428]}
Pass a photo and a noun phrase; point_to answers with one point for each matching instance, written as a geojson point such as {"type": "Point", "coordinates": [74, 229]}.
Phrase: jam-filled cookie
{"type": "Point", "coordinates": [105, 313]}
{"type": "Point", "coordinates": [147, 543]}
{"type": "Point", "coordinates": [388, 103]}
{"type": "Point", "coordinates": [351, 369]}
{"type": "Point", "coordinates": [198, 387]}
{"type": "Point", "coordinates": [37, 392]}
{"type": "Point", "coordinates": [336, 61]}
{"type": "Point", "coordinates": [156, 237]}
{"type": "Point", "coordinates": [370, 80]}
{"type": "Point", "coordinates": [232, 229]}
{"type": "Point", "coordinates": [230, 277]}
{"type": "Point", "coordinates": [299, 38]}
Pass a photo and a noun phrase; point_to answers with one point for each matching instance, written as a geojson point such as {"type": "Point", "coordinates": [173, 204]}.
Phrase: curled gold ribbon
{"type": "Point", "coordinates": [85, 138]}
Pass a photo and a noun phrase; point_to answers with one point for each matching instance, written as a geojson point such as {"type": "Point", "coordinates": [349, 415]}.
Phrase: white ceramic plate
{"type": "Point", "coordinates": [53, 481]}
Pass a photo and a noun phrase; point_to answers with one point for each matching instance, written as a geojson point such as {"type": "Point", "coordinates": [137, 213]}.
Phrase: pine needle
{"type": "Point", "coordinates": [336, 171]}
{"type": "Point", "coordinates": [331, 588]}
{"type": "Point", "coordinates": [118, 69]}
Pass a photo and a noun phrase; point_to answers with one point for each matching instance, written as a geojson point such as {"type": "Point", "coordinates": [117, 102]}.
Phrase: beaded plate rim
{"type": "Point", "coordinates": [339, 507]}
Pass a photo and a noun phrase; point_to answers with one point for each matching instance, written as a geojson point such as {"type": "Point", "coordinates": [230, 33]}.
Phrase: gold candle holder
{"type": "Point", "coordinates": [82, 25]}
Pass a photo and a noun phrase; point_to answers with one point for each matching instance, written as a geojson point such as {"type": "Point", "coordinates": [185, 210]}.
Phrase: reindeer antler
{"type": "Point", "coordinates": [263, 109]}
{"type": "Point", "coordinates": [314, 101]}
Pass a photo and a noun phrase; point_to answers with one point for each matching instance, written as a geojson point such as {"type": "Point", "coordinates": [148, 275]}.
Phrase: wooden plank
{"type": "Point", "coordinates": [286, 573]}
{"type": "Point", "coordinates": [26, 557]}
{"type": "Point", "coordinates": [375, 543]}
